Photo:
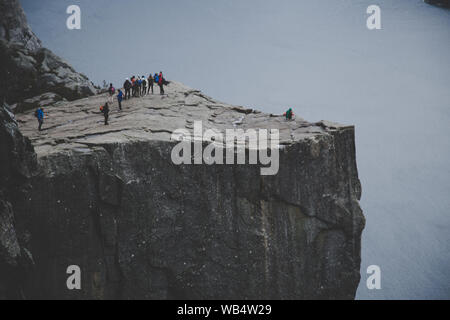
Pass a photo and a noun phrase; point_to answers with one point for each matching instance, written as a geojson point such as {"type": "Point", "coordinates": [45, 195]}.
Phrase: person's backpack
{"type": "Point", "coordinates": [36, 113]}
{"type": "Point", "coordinates": [101, 108]}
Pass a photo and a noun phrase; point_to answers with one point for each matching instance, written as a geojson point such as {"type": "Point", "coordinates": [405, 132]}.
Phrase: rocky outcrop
{"type": "Point", "coordinates": [110, 200]}
{"type": "Point", "coordinates": [14, 27]}
{"type": "Point", "coordinates": [27, 69]}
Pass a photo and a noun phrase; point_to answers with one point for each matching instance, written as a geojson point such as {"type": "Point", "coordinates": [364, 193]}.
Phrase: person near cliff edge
{"type": "Point", "coordinates": [161, 83]}
{"type": "Point", "coordinates": [127, 87]}
{"type": "Point", "coordinates": [289, 114]}
{"type": "Point", "coordinates": [105, 110]}
{"type": "Point", "coordinates": [39, 114]}
{"type": "Point", "coordinates": [119, 99]}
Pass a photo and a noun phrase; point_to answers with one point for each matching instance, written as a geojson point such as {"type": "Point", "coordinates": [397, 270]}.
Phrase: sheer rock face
{"type": "Point", "coordinates": [27, 69]}
{"type": "Point", "coordinates": [110, 200]}
{"type": "Point", "coordinates": [17, 164]}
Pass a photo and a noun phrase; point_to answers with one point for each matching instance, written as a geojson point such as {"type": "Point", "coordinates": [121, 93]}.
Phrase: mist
{"type": "Point", "coordinates": [319, 58]}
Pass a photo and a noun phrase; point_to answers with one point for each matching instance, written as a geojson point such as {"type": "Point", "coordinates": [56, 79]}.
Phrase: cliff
{"type": "Point", "coordinates": [17, 164]}
{"type": "Point", "coordinates": [439, 3]}
{"type": "Point", "coordinates": [28, 71]}
{"type": "Point", "coordinates": [110, 200]}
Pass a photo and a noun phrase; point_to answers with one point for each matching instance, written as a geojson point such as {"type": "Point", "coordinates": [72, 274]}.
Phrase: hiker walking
{"type": "Point", "coordinates": [119, 99]}
{"type": "Point", "coordinates": [111, 91]}
{"type": "Point", "coordinates": [105, 110]}
{"type": "Point", "coordinates": [150, 83]}
{"type": "Point", "coordinates": [39, 114]}
{"type": "Point", "coordinates": [127, 87]}
{"type": "Point", "coordinates": [161, 83]}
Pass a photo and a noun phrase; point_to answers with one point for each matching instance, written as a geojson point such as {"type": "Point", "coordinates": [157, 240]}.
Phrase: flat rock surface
{"type": "Point", "coordinates": [78, 125]}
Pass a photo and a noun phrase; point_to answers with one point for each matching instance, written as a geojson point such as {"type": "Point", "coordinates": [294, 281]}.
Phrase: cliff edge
{"type": "Point", "coordinates": [110, 200]}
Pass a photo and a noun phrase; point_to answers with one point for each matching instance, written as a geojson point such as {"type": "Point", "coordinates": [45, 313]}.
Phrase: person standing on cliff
{"type": "Point", "coordinates": [144, 86]}
{"type": "Point", "coordinates": [105, 110]}
{"type": "Point", "coordinates": [111, 91]}
{"type": "Point", "coordinates": [39, 114]}
{"type": "Point", "coordinates": [119, 99]}
{"type": "Point", "coordinates": [161, 83]}
{"type": "Point", "coordinates": [127, 87]}
{"type": "Point", "coordinates": [150, 83]}
{"type": "Point", "coordinates": [139, 86]}
{"type": "Point", "coordinates": [289, 114]}
{"type": "Point", "coordinates": [133, 86]}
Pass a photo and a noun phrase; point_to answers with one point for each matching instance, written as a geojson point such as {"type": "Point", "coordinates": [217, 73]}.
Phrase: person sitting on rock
{"type": "Point", "coordinates": [105, 110]}
{"type": "Point", "coordinates": [119, 99]}
{"type": "Point", "coordinates": [289, 114]}
{"type": "Point", "coordinates": [39, 114]}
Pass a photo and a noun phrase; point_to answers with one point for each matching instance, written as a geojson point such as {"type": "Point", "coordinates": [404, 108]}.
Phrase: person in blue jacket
{"type": "Point", "coordinates": [119, 99]}
{"type": "Point", "coordinates": [39, 114]}
{"type": "Point", "coordinates": [156, 77]}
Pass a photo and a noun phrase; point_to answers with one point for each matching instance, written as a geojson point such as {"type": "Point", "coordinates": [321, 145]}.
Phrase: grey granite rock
{"type": "Point", "coordinates": [14, 27]}
{"type": "Point", "coordinates": [110, 199]}
{"type": "Point", "coordinates": [17, 165]}
{"type": "Point", "coordinates": [27, 69]}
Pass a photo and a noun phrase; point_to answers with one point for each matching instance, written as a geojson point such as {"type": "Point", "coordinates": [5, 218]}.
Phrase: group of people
{"type": "Point", "coordinates": [141, 86]}
{"type": "Point", "coordinates": [134, 87]}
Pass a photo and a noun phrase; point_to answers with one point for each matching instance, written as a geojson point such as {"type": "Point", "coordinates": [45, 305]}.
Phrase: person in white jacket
{"type": "Point", "coordinates": [144, 86]}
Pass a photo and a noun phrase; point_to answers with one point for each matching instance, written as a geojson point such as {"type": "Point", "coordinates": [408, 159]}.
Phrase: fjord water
{"type": "Point", "coordinates": [319, 58]}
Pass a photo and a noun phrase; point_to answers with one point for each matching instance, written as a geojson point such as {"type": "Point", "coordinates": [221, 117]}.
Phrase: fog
{"type": "Point", "coordinates": [319, 58]}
